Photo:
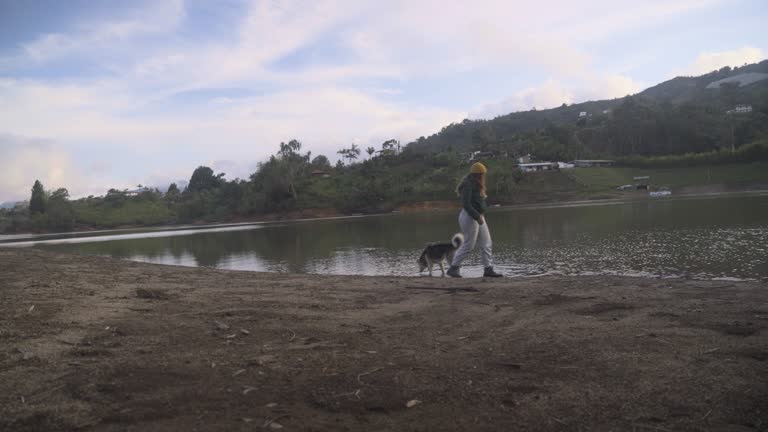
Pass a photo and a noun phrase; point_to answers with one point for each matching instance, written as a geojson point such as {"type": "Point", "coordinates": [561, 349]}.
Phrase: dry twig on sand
{"type": "Point", "coordinates": [367, 373]}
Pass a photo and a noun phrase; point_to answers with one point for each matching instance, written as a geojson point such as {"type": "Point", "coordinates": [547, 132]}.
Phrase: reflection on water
{"type": "Point", "coordinates": [706, 238]}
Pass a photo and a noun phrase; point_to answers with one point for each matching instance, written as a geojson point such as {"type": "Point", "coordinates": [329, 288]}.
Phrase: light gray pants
{"type": "Point", "coordinates": [474, 233]}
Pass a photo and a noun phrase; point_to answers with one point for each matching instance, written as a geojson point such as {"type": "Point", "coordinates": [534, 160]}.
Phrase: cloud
{"type": "Point", "coordinates": [159, 18]}
{"type": "Point", "coordinates": [106, 111]}
{"type": "Point", "coordinates": [374, 40]}
{"type": "Point", "coordinates": [268, 31]}
{"type": "Point", "coordinates": [547, 95]}
{"type": "Point", "coordinates": [553, 93]}
{"type": "Point", "coordinates": [424, 38]}
{"type": "Point", "coordinates": [609, 86]}
{"type": "Point", "coordinates": [711, 61]}
{"type": "Point", "coordinates": [458, 38]}
{"type": "Point", "coordinates": [26, 159]}
{"type": "Point", "coordinates": [601, 19]}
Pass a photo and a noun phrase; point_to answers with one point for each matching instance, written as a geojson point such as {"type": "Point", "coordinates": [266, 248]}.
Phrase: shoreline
{"type": "Point", "coordinates": [413, 208]}
{"type": "Point", "coordinates": [92, 343]}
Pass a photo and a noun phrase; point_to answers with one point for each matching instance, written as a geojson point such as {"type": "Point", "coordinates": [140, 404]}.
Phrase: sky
{"type": "Point", "coordinates": [99, 94]}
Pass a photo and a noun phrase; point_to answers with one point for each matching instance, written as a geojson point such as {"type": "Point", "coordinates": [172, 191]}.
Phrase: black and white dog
{"type": "Point", "coordinates": [436, 253]}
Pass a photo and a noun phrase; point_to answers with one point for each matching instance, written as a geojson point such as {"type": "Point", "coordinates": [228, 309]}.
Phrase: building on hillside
{"type": "Point", "coordinates": [484, 155]}
{"type": "Point", "coordinates": [740, 109]}
{"type": "Point", "coordinates": [606, 111]}
{"type": "Point", "coordinates": [538, 166]}
{"type": "Point", "coordinates": [524, 159]}
{"type": "Point", "coordinates": [583, 114]}
{"type": "Point", "coordinates": [320, 173]}
{"type": "Point", "coordinates": [591, 163]}
{"type": "Point", "coordinates": [137, 191]}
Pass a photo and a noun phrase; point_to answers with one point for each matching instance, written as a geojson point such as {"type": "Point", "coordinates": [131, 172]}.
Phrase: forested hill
{"type": "Point", "coordinates": [682, 115]}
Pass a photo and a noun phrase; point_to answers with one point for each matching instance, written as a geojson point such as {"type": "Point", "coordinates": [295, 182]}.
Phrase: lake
{"type": "Point", "coordinates": [701, 238]}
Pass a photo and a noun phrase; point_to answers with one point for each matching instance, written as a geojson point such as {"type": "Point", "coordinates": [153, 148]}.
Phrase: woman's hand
{"type": "Point", "coordinates": [481, 221]}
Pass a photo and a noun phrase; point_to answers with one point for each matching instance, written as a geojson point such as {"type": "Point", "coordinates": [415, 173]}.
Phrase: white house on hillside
{"type": "Point", "coordinates": [137, 191]}
{"type": "Point", "coordinates": [538, 166]}
{"type": "Point", "coordinates": [740, 109]}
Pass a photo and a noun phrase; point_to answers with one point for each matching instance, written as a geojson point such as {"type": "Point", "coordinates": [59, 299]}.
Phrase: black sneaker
{"type": "Point", "coordinates": [489, 272]}
{"type": "Point", "coordinates": [454, 272]}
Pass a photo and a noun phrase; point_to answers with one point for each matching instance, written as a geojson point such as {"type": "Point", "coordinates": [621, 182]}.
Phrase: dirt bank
{"type": "Point", "coordinates": [422, 206]}
{"type": "Point", "coordinates": [91, 343]}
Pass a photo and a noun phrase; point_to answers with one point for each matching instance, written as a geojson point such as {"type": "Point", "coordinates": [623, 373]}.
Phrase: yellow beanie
{"type": "Point", "coordinates": [478, 168]}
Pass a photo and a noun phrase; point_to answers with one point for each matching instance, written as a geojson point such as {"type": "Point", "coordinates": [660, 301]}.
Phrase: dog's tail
{"type": "Point", "coordinates": [457, 240]}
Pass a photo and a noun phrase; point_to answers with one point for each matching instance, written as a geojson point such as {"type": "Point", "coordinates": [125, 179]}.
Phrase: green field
{"type": "Point", "coordinates": [740, 175]}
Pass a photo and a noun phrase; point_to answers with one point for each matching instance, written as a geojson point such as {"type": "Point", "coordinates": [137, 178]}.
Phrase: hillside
{"type": "Point", "coordinates": [682, 115]}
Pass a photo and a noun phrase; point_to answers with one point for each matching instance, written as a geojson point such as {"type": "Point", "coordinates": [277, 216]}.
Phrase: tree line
{"type": "Point", "coordinates": [289, 180]}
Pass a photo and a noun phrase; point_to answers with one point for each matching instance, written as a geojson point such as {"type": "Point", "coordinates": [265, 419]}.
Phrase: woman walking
{"type": "Point", "coordinates": [471, 189]}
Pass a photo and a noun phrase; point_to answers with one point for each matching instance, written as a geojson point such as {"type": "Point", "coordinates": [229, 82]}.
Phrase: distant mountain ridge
{"type": "Point", "coordinates": [684, 114]}
{"type": "Point", "coordinates": [9, 204]}
{"type": "Point", "coordinates": [684, 89]}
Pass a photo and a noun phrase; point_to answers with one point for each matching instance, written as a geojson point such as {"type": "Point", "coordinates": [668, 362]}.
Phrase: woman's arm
{"type": "Point", "coordinates": [466, 202]}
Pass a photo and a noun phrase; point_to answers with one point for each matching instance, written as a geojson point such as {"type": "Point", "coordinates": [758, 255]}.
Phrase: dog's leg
{"type": "Point", "coordinates": [430, 266]}
{"type": "Point", "coordinates": [442, 270]}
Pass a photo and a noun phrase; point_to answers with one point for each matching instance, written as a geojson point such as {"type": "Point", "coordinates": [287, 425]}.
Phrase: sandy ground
{"type": "Point", "coordinates": [90, 343]}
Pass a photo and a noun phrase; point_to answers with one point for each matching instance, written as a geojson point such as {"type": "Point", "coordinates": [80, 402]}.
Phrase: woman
{"type": "Point", "coordinates": [472, 222]}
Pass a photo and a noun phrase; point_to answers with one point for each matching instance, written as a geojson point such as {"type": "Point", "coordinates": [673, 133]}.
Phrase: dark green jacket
{"type": "Point", "coordinates": [471, 199]}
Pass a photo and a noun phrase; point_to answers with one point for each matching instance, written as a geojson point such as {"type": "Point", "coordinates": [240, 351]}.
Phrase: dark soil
{"type": "Point", "coordinates": [91, 343]}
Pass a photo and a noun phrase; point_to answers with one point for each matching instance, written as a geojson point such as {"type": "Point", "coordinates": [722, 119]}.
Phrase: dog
{"type": "Point", "coordinates": [436, 253]}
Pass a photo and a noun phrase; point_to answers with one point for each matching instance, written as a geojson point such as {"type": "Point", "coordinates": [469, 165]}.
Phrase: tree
{"type": "Point", "coordinates": [61, 194]}
{"type": "Point", "coordinates": [173, 193]}
{"type": "Point", "coordinates": [370, 151]}
{"type": "Point", "coordinates": [483, 137]}
{"type": "Point", "coordinates": [115, 198]}
{"type": "Point", "coordinates": [291, 149]}
{"type": "Point", "coordinates": [321, 162]}
{"type": "Point", "coordinates": [389, 147]}
{"type": "Point", "coordinates": [37, 202]}
{"type": "Point", "coordinates": [203, 179]}
{"type": "Point", "coordinates": [172, 189]}
{"type": "Point", "coordinates": [277, 177]}
{"type": "Point", "coordinates": [292, 163]}
{"type": "Point", "coordinates": [231, 196]}
{"type": "Point", "coordinates": [59, 210]}
{"type": "Point", "coordinates": [350, 153]}
{"type": "Point", "coordinates": [353, 153]}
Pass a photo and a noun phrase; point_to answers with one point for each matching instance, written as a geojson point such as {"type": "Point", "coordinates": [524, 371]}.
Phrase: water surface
{"type": "Point", "coordinates": [712, 238]}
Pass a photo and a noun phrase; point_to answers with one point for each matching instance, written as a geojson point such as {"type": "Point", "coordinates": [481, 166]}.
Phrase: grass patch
{"type": "Point", "coordinates": [132, 212]}
{"type": "Point", "coordinates": [731, 175]}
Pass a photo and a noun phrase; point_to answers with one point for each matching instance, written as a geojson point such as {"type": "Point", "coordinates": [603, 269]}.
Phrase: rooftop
{"type": "Point", "coordinates": [593, 160]}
